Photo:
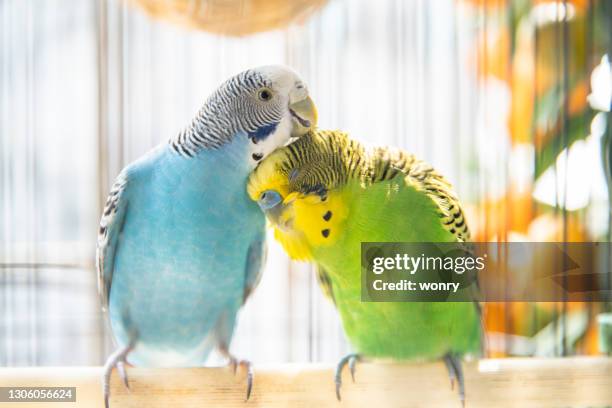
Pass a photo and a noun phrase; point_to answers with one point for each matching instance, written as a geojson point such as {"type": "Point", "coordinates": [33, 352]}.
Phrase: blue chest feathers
{"type": "Point", "coordinates": [181, 257]}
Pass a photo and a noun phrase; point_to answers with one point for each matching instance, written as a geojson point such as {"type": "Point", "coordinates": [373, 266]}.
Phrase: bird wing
{"type": "Point", "coordinates": [256, 258]}
{"type": "Point", "coordinates": [111, 225]}
{"type": "Point", "coordinates": [325, 283]}
{"type": "Point", "coordinates": [423, 177]}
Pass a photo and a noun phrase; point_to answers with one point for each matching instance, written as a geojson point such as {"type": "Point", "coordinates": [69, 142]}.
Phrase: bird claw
{"type": "Point", "coordinates": [123, 374]}
{"type": "Point", "coordinates": [451, 371]}
{"type": "Point", "coordinates": [351, 360]}
{"type": "Point", "coordinates": [455, 373]}
{"type": "Point", "coordinates": [352, 364]}
{"type": "Point", "coordinates": [234, 363]}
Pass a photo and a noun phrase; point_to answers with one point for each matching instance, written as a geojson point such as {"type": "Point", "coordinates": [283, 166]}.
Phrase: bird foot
{"type": "Point", "coordinates": [117, 359]}
{"type": "Point", "coordinates": [248, 366]}
{"type": "Point", "coordinates": [455, 374]}
{"type": "Point", "coordinates": [351, 360]}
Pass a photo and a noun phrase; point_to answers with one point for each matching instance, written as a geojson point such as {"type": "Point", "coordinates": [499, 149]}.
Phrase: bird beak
{"type": "Point", "coordinates": [303, 115]}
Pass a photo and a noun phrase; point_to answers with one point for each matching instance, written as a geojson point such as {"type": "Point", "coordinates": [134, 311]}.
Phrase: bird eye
{"type": "Point", "coordinates": [264, 94]}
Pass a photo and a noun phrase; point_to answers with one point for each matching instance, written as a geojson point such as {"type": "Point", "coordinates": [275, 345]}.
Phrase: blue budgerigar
{"type": "Point", "coordinates": [181, 246]}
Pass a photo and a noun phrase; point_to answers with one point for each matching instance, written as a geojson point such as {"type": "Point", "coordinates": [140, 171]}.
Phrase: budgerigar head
{"type": "Point", "coordinates": [299, 186]}
{"type": "Point", "coordinates": [266, 106]}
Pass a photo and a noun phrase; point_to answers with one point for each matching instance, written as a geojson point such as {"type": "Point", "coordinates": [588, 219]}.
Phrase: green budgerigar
{"type": "Point", "coordinates": [325, 194]}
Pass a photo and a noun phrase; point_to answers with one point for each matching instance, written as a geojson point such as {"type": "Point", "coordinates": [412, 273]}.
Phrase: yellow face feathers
{"type": "Point", "coordinates": [300, 185]}
{"type": "Point", "coordinates": [307, 222]}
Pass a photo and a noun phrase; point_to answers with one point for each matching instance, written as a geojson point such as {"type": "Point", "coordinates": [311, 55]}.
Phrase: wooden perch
{"type": "Point", "coordinates": [559, 382]}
